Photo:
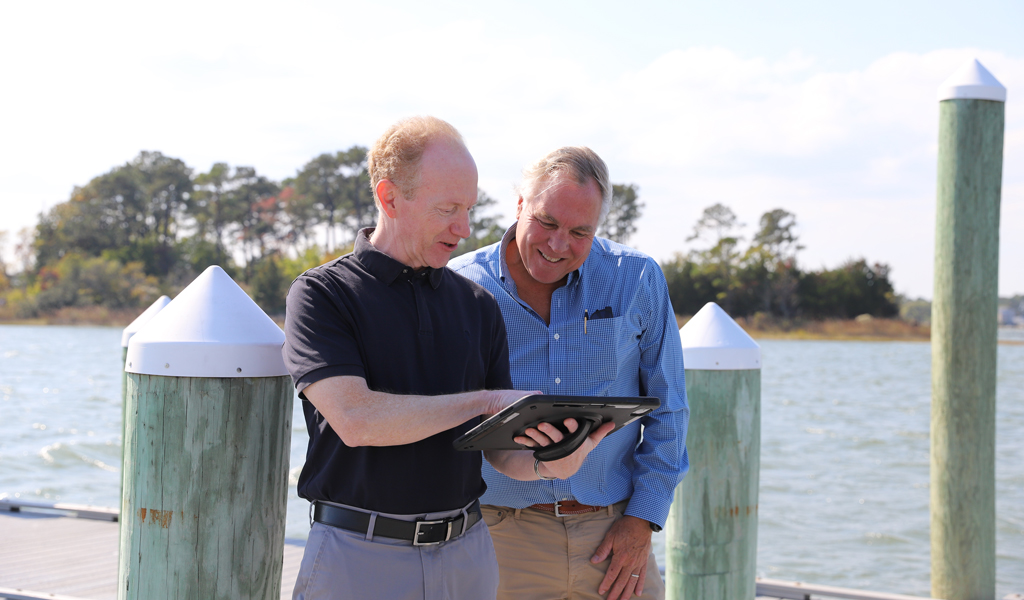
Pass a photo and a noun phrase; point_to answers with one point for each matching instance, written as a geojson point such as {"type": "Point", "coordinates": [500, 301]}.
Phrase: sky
{"type": "Point", "coordinates": [826, 110]}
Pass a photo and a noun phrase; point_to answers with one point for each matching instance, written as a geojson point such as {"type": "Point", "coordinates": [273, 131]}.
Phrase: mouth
{"type": "Point", "coordinates": [450, 247]}
{"type": "Point", "coordinates": [549, 258]}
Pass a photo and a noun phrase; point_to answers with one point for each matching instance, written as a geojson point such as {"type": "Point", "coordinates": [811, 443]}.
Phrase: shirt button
{"type": "Point", "coordinates": [405, 270]}
{"type": "Point", "coordinates": [556, 336]}
{"type": "Point", "coordinates": [558, 380]}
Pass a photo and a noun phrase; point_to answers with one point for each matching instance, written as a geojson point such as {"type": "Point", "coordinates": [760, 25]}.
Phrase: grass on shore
{"type": "Point", "coordinates": [761, 326]}
{"type": "Point", "coordinates": [77, 315]}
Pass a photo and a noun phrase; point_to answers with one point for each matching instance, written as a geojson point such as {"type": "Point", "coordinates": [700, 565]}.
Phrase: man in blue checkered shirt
{"type": "Point", "coordinates": [585, 316]}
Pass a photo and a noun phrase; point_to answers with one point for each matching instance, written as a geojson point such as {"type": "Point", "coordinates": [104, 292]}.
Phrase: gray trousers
{"type": "Point", "coordinates": [339, 564]}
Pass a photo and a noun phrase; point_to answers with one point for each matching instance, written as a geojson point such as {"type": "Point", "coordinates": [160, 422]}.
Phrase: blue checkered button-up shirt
{"type": "Point", "coordinates": [634, 352]}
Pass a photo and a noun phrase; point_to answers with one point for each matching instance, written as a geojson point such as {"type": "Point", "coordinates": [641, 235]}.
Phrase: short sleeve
{"type": "Point", "coordinates": [320, 334]}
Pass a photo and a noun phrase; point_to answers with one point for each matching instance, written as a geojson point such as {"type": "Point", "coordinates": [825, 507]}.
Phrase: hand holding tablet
{"type": "Point", "coordinates": [499, 431]}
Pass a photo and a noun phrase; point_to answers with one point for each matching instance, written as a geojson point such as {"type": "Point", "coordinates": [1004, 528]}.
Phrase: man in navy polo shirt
{"type": "Point", "coordinates": [589, 317]}
{"type": "Point", "coordinates": [395, 357]}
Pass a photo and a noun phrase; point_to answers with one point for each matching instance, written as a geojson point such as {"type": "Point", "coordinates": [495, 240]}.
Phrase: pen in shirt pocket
{"type": "Point", "coordinates": [585, 316]}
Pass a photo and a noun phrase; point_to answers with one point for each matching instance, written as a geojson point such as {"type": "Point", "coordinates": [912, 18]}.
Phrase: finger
{"type": "Point", "coordinates": [639, 589]}
{"type": "Point", "coordinates": [551, 431]}
{"type": "Point", "coordinates": [628, 590]}
{"type": "Point", "coordinates": [623, 586]}
{"type": "Point", "coordinates": [599, 434]}
{"type": "Point", "coordinates": [539, 437]}
{"type": "Point", "coordinates": [524, 441]}
{"type": "Point", "coordinates": [571, 425]}
{"type": "Point", "coordinates": [613, 578]}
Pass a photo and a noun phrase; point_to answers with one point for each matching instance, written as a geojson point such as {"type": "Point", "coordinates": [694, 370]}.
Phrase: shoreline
{"type": "Point", "coordinates": [758, 327]}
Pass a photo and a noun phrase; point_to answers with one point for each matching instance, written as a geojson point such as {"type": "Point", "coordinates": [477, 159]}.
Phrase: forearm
{"type": "Point", "coordinates": [363, 417]}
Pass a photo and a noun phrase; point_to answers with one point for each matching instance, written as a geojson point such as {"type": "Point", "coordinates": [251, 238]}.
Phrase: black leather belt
{"type": "Point", "coordinates": [420, 533]}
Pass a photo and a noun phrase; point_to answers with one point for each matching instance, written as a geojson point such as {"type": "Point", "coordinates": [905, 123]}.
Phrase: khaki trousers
{"type": "Point", "coordinates": [544, 557]}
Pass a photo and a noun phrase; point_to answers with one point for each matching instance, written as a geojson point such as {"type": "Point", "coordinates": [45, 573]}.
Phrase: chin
{"type": "Point", "coordinates": [546, 276]}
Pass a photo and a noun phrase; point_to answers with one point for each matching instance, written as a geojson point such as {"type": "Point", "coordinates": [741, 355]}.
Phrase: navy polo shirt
{"type": "Point", "coordinates": [405, 331]}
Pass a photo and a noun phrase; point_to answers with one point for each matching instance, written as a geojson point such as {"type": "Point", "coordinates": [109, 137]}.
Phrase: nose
{"type": "Point", "coordinates": [558, 242]}
{"type": "Point", "coordinates": [461, 225]}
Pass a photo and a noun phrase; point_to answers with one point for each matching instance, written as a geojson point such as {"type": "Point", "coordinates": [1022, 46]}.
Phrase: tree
{"type": "Point", "coordinates": [855, 288]}
{"type": "Point", "coordinates": [360, 208]}
{"type": "Point", "coordinates": [214, 207]}
{"type": "Point", "coordinates": [717, 223]}
{"type": "Point", "coordinates": [4, 281]}
{"type": "Point", "coordinates": [269, 286]}
{"type": "Point", "coordinates": [260, 214]}
{"type": "Point", "coordinates": [771, 259]}
{"type": "Point", "coordinates": [131, 212]}
{"type": "Point", "coordinates": [625, 209]}
{"type": "Point", "coordinates": [337, 188]}
{"type": "Point", "coordinates": [167, 185]}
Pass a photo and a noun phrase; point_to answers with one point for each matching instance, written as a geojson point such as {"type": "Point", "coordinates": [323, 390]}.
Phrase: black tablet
{"type": "Point", "coordinates": [498, 431]}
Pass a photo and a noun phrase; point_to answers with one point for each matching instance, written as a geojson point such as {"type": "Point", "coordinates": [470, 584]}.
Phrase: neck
{"type": "Point", "coordinates": [384, 239]}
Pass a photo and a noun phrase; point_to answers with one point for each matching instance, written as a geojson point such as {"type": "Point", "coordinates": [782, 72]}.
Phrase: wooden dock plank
{"type": "Point", "coordinates": [47, 556]}
{"type": "Point", "coordinates": [77, 558]}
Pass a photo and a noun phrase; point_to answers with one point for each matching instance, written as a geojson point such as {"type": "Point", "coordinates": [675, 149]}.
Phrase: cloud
{"type": "Point", "coordinates": [852, 153]}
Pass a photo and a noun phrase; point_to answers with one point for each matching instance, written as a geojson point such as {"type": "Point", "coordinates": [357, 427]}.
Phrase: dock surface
{"type": "Point", "coordinates": [49, 556]}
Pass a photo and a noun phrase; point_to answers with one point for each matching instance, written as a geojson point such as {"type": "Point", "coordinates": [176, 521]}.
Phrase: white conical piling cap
{"type": "Point", "coordinates": [142, 319]}
{"type": "Point", "coordinates": [972, 82]}
{"type": "Point", "coordinates": [712, 341]}
{"type": "Point", "coordinates": [211, 329]}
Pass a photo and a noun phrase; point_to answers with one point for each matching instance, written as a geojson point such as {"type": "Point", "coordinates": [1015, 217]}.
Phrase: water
{"type": "Point", "coordinates": [844, 456]}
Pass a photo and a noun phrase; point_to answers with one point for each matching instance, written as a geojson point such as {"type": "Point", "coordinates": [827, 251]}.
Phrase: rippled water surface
{"type": "Point", "coordinates": [844, 456]}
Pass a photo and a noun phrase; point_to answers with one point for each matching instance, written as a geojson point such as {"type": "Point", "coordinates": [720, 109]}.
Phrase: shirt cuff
{"type": "Point", "coordinates": [648, 508]}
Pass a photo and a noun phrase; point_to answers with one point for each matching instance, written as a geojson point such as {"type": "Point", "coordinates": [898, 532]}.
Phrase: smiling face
{"type": "Point", "coordinates": [556, 227]}
{"type": "Point", "coordinates": [429, 226]}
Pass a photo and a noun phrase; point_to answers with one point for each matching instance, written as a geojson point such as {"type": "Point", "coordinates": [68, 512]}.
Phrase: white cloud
{"type": "Point", "coordinates": [851, 153]}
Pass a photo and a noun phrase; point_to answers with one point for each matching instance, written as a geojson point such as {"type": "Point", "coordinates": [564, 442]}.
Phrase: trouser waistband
{"type": "Point", "coordinates": [416, 529]}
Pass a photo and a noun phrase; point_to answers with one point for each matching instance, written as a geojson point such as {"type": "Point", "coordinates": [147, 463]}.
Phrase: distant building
{"type": "Point", "coordinates": [1009, 317]}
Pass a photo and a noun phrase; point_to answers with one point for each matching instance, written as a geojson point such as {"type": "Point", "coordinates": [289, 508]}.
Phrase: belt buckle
{"type": "Point", "coordinates": [558, 514]}
{"type": "Point", "coordinates": [416, 534]}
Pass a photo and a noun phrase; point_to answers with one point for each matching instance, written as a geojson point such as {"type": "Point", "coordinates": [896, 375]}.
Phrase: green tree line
{"type": "Point", "coordinates": [149, 226]}
{"type": "Point", "coordinates": [765, 276]}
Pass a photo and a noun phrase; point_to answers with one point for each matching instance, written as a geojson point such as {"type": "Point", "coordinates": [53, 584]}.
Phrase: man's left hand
{"type": "Point", "coordinates": [628, 542]}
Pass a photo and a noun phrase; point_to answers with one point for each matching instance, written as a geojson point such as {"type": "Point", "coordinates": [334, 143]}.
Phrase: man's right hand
{"type": "Point", "coordinates": [546, 434]}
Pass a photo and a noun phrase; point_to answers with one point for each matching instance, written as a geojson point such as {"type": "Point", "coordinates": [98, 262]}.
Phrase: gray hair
{"type": "Point", "coordinates": [579, 162]}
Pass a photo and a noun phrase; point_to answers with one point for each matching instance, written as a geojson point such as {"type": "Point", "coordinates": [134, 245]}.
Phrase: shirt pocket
{"type": "Point", "coordinates": [607, 349]}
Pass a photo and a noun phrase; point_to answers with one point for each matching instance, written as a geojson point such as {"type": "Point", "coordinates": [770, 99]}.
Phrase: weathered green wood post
{"type": "Point", "coordinates": [126, 335]}
{"type": "Point", "coordinates": [963, 425]}
{"type": "Point", "coordinates": [712, 527]}
{"type": "Point", "coordinates": [206, 449]}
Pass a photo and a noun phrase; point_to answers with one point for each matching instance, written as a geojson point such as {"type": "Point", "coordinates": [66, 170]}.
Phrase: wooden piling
{"type": "Point", "coordinates": [712, 526]}
{"type": "Point", "coordinates": [206, 450]}
{"type": "Point", "coordinates": [126, 335]}
{"type": "Point", "coordinates": [964, 309]}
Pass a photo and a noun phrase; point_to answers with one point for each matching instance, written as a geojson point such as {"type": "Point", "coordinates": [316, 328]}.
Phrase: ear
{"type": "Point", "coordinates": [519, 207]}
{"type": "Point", "coordinates": [387, 193]}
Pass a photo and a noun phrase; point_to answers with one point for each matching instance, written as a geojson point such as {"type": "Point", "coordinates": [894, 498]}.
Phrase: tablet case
{"type": "Point", "coordinates": [498, 431]}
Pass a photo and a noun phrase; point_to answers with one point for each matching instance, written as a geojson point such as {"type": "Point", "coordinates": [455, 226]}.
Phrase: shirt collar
{"type": "Point", "coordinates": [384, 267]}
{"type": "Point", "coordinates": [510, 234]}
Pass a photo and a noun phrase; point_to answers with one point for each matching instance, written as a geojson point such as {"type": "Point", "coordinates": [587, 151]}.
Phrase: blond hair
{"type": "Point", "coordinates": [396, 154]}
